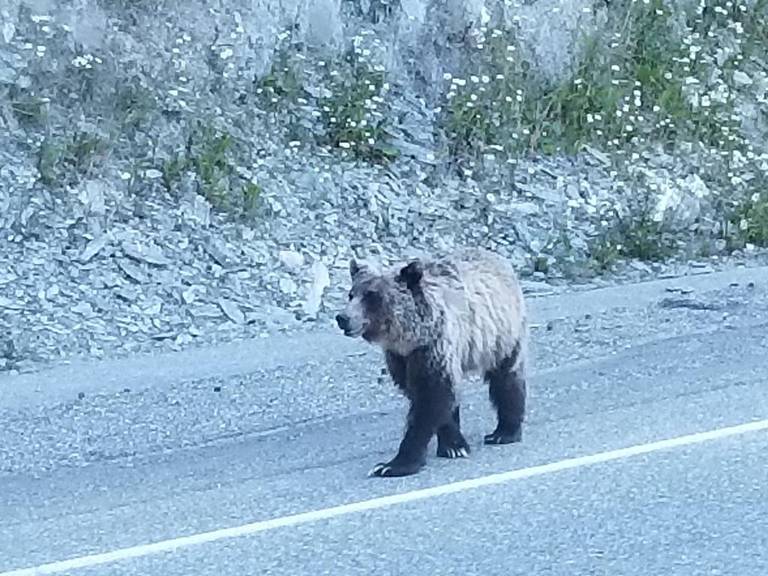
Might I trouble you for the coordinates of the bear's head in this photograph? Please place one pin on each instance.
(381, 307)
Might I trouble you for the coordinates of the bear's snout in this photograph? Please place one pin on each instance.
(343, 321)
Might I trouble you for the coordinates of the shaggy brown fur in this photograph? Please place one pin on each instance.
(438, 321)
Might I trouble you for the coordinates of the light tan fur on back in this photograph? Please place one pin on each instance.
(484, 315)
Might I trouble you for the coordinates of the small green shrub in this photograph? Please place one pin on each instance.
(62, 160)
(48, 158)
(635, 231)
(493, 108)
(353, 112)
(134, 105)
(751, 219)
(206, 155)
(282, 86)
(29, 110)
(603, 254)
(346, 97)
(212, 154)
(251, 196)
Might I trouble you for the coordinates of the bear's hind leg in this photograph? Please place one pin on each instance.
(431, 393)
(507, 390)
(450, 441)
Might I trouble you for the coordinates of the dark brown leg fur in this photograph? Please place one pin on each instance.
(507, 390)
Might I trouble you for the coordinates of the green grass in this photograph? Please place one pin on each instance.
(353, 113)
(628, 87)
(29, 110)
(68, 158)
(751, 219)
(348, 95)
(212, 154)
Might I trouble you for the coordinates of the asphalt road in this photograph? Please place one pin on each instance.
(700, 507)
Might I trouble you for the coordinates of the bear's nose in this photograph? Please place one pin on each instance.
(342, 321)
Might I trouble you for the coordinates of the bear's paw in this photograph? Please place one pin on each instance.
(394, 469)
(504, 437)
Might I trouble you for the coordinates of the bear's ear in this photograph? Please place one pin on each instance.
(355, 268)
(411, 274)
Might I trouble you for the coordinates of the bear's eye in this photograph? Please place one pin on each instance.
(372, 298)
(351, 296)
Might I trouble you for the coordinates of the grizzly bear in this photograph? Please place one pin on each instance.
(439, 320)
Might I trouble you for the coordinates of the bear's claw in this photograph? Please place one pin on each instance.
(501, 437)
(393, 470)
(453, 453)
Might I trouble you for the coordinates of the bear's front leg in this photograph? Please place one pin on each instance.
(431, 392)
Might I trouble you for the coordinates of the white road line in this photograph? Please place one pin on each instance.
(386, 501)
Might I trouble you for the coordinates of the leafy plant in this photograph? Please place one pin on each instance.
(751, 219)
(211, 154)
(353, 112)
(67, 159)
